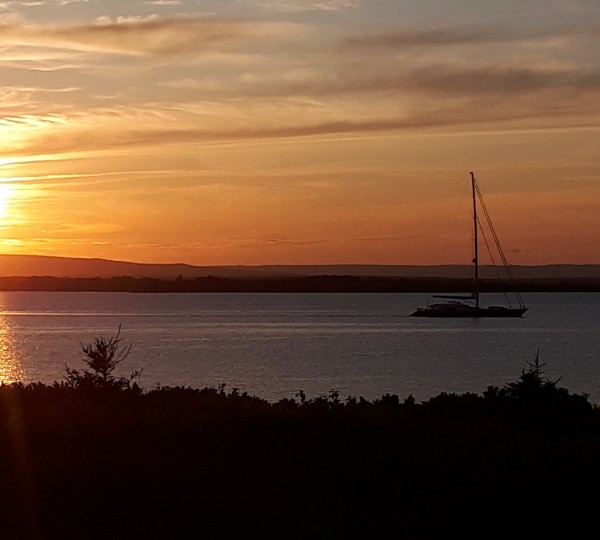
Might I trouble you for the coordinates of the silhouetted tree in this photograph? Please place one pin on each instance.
(539, 402)
(103, 356)
(531, 382)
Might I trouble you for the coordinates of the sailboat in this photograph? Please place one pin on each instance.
(469, 305)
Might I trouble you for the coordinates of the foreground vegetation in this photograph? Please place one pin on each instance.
(94, 456)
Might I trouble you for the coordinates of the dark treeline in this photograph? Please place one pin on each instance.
(316, 284)
(96, 457)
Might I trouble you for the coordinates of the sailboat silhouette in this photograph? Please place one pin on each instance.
(470, 305)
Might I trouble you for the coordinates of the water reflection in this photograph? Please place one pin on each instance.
(10, 364)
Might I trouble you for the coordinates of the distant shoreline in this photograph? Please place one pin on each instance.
(26, 266)
(295, 284)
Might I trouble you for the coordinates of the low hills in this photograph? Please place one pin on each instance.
(70, 267)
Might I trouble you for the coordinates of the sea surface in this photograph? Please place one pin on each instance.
(274, 345)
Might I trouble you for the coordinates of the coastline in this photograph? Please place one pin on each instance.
(300, 284)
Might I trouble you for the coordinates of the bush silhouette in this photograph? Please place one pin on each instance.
(521, 460)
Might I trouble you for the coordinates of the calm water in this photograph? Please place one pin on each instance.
(273, 345)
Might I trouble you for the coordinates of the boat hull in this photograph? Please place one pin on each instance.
(466, 312)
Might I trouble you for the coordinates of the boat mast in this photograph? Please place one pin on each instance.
(475, 241)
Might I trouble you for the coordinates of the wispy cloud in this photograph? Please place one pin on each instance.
(9, 4)
(402, 38)
(387, 239)
(501, 81)
(441, 80)
(91, 141)
(149, 35)
(298, 6)
(164, 3)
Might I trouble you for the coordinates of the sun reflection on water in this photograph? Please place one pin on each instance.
(10, 364)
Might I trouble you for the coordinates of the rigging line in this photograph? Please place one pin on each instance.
(491, 254)
(500, 250)
(491, 226)
(504, 261)
(498, 245)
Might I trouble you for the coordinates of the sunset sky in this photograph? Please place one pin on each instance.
(299, 131)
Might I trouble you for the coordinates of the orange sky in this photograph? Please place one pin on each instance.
(296, 131)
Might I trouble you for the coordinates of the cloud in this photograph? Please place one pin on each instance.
(499, 80)
(464, 35)
(150, 35)
(298, 6)
(387, 239)
(403, 38)
(276, 242)
(15, 97)
(439, 80)
(435, 97)
(11, 97)
(90, 141)
(164, 3)
(39, 59)
(36, 3)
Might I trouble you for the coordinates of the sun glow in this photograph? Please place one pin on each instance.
(6, 194)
